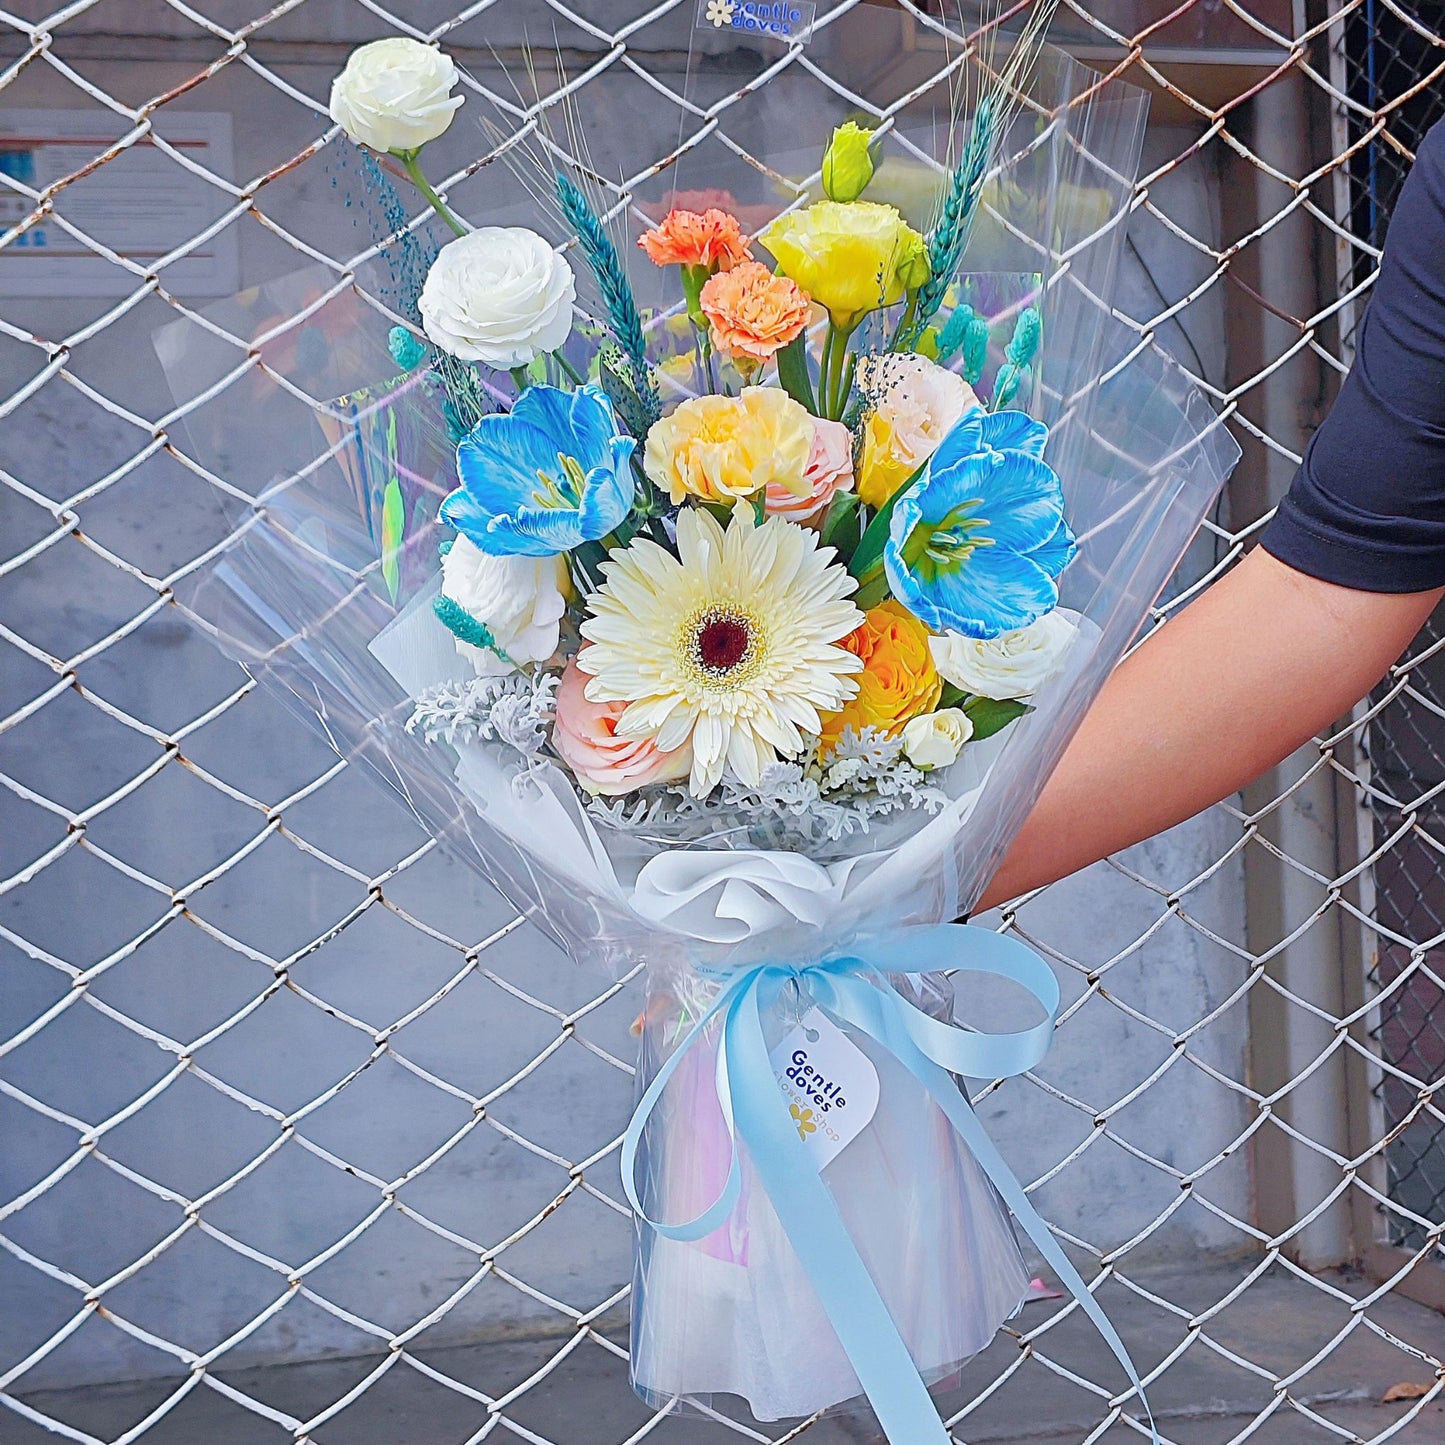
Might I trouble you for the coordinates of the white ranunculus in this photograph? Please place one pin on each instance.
(935, 739)
(519, 600)
(1011, 665)
(500, 295)
(394, 95)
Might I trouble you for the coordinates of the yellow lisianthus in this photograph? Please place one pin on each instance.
(722, 448)
(851, 258)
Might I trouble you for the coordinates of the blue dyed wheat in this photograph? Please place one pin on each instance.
(626, 323)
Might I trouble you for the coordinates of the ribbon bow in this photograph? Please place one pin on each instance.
(853, 989)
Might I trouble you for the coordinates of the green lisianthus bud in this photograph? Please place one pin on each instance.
(848, 162)
(913, 267)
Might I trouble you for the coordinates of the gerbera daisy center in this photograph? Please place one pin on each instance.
(721, 644)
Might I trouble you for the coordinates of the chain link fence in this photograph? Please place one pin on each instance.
(308, 1137)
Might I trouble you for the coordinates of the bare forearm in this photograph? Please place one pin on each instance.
(1260, 663)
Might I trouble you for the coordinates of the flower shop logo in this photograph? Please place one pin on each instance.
(778, 19)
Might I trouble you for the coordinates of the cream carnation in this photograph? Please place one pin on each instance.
(499, 296)
(720, 448)
(519, 600)
(935, 739)
(394, 95)
(1011, 665)
(732, 645)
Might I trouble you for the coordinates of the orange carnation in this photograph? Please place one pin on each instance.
(752, 312)
(898, 681)
(712, 239)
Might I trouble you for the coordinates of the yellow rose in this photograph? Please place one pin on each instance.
(721, 448)
(898, 681)
(851, 258)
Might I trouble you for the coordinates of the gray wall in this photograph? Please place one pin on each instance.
(205, 956)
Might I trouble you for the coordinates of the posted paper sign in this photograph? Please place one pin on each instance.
(830, 1084)
(141, 203)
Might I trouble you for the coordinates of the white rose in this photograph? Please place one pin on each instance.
(394, 95)
(519, 600)
(1011, 665)
(500, 295)
(935, 739)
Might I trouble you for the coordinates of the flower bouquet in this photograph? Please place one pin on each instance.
(724, 594)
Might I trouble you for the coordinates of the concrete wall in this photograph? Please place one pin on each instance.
(208, 961)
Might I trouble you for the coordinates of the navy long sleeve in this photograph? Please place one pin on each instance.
(1367, 507)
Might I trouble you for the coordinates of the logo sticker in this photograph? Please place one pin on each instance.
(787, 20)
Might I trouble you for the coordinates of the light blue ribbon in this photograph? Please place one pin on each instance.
(854, 990)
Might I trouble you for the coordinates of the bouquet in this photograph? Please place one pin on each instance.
(734, 634)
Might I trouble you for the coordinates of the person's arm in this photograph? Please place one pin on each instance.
(1259, 664)
(1346, 573)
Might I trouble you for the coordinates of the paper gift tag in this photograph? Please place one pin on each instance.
(829, 1082)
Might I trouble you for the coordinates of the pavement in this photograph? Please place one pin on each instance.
(1263, 1368)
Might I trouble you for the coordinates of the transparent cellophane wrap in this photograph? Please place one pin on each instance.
(336, 464)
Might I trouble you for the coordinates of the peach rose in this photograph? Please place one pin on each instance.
(585, 737)
(753, 314)
(712, 239)
(829, 471)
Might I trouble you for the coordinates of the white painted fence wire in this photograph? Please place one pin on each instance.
(307, 1137)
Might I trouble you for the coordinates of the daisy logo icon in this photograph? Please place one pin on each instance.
(803, 1118)
(720, 12)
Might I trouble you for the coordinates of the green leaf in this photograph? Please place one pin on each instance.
(990, 715)
(952, 696)
(870, 547)
(842, 525)
(793, 372)
(616, 378)
(393, 524)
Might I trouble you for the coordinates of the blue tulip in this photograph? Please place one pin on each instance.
(977, 544)
(552, 473)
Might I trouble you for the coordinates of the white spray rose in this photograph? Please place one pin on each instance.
(519, 600)
(394, 95)
(500, 296)
(1011, 665)
(935, 739)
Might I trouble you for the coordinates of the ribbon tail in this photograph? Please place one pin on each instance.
(717, 1212)
(809, 1216)
(880, 1015)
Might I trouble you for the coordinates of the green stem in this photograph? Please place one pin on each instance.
(707, 360)
(825, 370)
(412, 166)
(568, 368)
(846, 389)
(520, 379)
(836, 360)
(902, 338)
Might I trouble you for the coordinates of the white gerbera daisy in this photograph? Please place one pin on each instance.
(731, 644)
